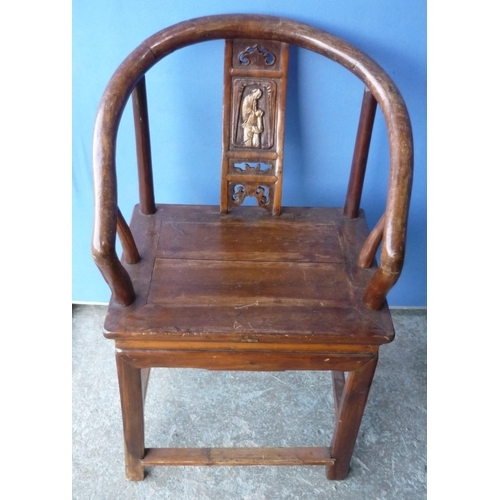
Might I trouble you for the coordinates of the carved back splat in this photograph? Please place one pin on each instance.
(255, 74)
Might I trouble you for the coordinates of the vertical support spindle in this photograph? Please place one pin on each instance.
(360, 156)
(143, 143)
(130, 251)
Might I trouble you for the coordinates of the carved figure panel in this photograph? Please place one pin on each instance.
(254, 109)
(252, 119)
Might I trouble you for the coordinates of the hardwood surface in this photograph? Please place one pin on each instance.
(249, 276)
(261, 67)
(238, 456)
(258, 290)
(238, 26)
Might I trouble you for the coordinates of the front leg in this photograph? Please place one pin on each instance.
(349, 412)
(131, 396)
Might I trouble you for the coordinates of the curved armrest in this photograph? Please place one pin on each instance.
(115, 275)
(398, 200)
(108, 118)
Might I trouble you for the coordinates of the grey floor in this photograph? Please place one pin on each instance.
(202, 408)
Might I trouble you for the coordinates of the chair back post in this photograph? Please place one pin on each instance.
(143, 145)
(231, 26)
(360, 156)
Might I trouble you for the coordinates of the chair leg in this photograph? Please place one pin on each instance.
(349, 412)
(131, 396)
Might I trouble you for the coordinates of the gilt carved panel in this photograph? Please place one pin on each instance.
(253, 113)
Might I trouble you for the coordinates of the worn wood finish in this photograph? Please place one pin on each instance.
(244, 290)
(367, 254)
(238, 456)
(236, 26)
(247, 360)
(131, 396)
(360, 157)
(247, 344)
(292, 279)
(130, 252)
(253, 123)
(143, 145)
(350, 413)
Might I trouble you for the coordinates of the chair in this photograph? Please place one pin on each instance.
(257, 288)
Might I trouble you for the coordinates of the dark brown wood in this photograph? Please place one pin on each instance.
(243, 345)
(238, 456)
(115, 274)
(266, 28)
(130, 252)
(360, 157)
(367, 254)
(129, 379)
(143, 145)
(259, 360)
(292, 278)
(352, 405)
(202, 288)
(226, 119)
(383, 280)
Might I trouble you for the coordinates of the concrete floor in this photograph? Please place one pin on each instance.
(202, 408)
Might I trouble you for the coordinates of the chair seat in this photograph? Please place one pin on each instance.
(248, 277)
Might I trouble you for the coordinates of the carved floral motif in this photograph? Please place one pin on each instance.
(269, 57)
(241, 191)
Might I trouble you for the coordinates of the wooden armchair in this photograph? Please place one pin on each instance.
(257, 288)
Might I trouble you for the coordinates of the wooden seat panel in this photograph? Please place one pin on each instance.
(257, 241)
(233, 285)
(243, 284)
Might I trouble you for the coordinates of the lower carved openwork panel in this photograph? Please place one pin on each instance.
(238, 191)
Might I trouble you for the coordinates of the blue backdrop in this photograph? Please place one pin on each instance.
(186, 89)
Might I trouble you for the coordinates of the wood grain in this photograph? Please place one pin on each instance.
(238, 26)
(200, 288)
(249, 275)
(238, 456)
